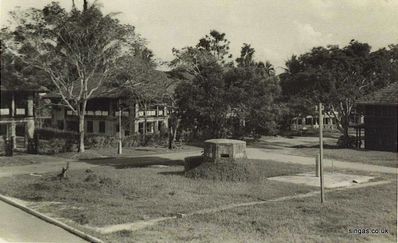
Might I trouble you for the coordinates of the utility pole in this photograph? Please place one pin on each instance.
(320, 108)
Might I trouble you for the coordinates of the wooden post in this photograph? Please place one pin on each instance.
(13, 123)
(321, 151)
(317, 168)
(119, 148)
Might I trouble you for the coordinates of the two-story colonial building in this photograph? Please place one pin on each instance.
(105, 108)
(17, 111)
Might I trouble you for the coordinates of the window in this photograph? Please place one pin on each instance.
(72, 126)
(5, 111)
(299, 121)
(90, 127)
(3, 129)
(140, 127)
(20, 111)
(102, 127)
(149, 127)
(60, 125)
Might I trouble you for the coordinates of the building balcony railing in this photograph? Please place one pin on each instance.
(124, 113)
(151, 113)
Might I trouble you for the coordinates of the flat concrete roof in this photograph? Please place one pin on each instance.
(225, 141)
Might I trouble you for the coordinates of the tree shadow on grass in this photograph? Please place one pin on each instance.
(178, 173)
(326, 146)
(133, 162)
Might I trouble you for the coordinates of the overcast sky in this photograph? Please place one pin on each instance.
(275, 28)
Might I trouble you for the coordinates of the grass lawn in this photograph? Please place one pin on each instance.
(109, 195)
(297, 220)
(93, 153)
(125, 190)
(26, 159)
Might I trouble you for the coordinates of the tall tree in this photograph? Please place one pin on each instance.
(251, 90)
(145, 85)
(337, 77)
(216, 43)
(201, 102)
(78, 50)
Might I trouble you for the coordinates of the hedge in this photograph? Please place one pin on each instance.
(65, 141)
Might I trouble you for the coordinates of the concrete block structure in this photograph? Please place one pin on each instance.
(224, 148)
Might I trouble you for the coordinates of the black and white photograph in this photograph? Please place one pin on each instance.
(198, 121)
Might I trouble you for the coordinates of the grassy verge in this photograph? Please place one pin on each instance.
(107, 195)
(299, 220)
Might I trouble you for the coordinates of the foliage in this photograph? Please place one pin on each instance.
(217, 45)
(337, 77)
(58, 141)
(77, 50)
(223, 101)
(201, 103)
(251, 92)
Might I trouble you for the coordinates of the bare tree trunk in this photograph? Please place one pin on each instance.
(85, 5)
(346, 137)
(81, 132)
(173, 126)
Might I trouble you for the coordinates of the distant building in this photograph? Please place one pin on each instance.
(380, 110)
(17, 111)
(102, 114)
(303, 123)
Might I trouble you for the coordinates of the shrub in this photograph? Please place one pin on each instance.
(57, 145)
(50, 133)
(346, 142)
(93, 140)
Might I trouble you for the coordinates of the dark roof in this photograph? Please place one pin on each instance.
(111, 92)
(101, 92)
(385, 96)
(26, 87)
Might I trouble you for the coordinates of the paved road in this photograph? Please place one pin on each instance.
(255, 153)
(18, 226)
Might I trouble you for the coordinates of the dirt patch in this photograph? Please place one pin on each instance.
(242, 170)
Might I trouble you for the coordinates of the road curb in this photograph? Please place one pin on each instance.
(50, 220)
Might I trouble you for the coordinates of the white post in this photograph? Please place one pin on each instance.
(321, 151)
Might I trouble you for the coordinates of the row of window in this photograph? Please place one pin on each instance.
(7, 111)
(73, 126)
(312, 121)
(124, 113)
